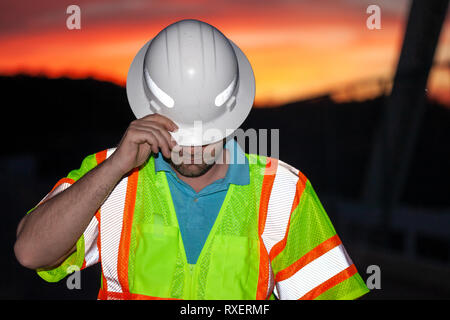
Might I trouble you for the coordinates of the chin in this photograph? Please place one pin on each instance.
(193, 170)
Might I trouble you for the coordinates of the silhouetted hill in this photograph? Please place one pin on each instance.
(53, 108)
(60, 121)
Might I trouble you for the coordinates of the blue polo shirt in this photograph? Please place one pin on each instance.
(197, 211)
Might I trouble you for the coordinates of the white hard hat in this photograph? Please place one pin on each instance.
(192, 74)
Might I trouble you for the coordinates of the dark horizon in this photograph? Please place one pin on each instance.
(332, 139)
(60, 121)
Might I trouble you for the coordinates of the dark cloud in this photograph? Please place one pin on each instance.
(40, 16)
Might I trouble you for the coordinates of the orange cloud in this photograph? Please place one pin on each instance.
(297, 50)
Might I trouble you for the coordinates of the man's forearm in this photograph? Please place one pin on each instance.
(49, 232)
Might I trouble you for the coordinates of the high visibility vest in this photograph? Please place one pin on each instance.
(142, 251)
(271, 235)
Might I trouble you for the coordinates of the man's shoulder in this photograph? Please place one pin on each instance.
(290, 174)
(277, 167)
(283, 179)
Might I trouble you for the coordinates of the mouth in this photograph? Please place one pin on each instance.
(192, 160)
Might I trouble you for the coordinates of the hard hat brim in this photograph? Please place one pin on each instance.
(211, 131)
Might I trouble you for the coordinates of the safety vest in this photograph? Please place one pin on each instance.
(142, 253)
(272, 235)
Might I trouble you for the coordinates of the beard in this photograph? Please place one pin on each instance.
(192, 170)
(198, 162)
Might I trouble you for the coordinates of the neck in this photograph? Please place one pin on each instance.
(217, 171)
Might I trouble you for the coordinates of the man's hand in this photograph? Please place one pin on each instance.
(145, 135)
(47, 236)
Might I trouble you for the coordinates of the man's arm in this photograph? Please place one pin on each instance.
(47, 235)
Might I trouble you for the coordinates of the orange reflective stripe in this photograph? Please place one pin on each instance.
(322, 248)
(333, 281)
(101, 156)
(107, 295)
(60, 182)
(269, 178)
(124, 246)
(277, 248)
(263, 278)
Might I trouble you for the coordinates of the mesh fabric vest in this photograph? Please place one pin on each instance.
(152, 259)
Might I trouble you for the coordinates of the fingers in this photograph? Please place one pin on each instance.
(159, 138)
(168, 124)
(154, 126)
(154, 133)
(139, 137)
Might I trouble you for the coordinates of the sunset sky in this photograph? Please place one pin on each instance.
(298, 49)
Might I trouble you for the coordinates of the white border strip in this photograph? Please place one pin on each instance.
(314, 274)
(280, 205)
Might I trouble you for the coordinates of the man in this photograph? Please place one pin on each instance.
(170, 213)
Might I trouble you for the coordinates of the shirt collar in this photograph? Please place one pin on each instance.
(238, 171)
